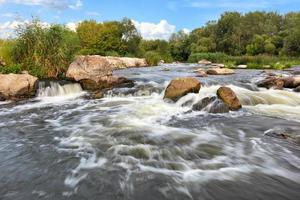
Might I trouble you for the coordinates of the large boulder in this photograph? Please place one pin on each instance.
(17, 86)
(96, 72)
(229, 98)
(180, 87)
(220, 71)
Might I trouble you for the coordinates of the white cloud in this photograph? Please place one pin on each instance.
(93, 13)
(77, 5)
(56, 4)
(72, 26)
(7, 29)
(186, 31)
(149, 31)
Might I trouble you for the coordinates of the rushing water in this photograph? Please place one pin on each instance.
(133, 145)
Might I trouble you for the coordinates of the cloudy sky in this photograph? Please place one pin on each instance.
(154, 18)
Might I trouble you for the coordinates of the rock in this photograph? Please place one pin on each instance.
(241, 67)
(96, 95)
(211, 105)
(179, 87)
(17, 86)
(271, 82)
(200, 72)
(297, 89)
(165, 69)
(220, 71)
(277, 134)
(95, 72)
(204, 62)
(291, 82)
(217, 65)
(229, 98)
(161, 62)
(106, 82)
(203, 103)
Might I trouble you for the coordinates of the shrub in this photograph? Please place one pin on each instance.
(152, 58)
(16, 68)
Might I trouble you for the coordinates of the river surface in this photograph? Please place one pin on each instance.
(132, 145)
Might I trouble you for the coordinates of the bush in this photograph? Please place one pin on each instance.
(152, 58)
(46, 52)
(15, 69)
(213, 57)
(6, 47)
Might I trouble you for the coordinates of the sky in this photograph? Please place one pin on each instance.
(155, 19)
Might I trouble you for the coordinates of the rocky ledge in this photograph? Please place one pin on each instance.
(17, 86)
(96, 72)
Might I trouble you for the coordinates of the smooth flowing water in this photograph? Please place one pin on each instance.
(133, 145)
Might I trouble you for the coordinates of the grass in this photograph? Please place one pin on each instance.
(253, 62)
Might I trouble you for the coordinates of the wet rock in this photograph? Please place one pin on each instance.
(106, 82)
(203, 103)
(17, 86)
(271, 82)
(200, 72)
(96, 95)
(95, 72)
(165, 70)
(280, 134)
(220, 71)
(229, 98)
(204, 62)
(180, 87)
(297, 89)
(211, 105)
(291, 82)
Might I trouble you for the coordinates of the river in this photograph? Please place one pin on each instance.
(133, 145)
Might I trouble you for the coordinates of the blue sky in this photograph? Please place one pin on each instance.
(153, 17)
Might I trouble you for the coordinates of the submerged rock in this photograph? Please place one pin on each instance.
(95, 72)
(220, 71)
(179, 87)
(17, 86)
(297, 89)
(229, 98)
(211, 105)
(200, 72)
(277, 134)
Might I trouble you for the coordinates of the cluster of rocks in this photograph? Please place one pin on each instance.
(224, 101)
(280, 82)
(92, 72)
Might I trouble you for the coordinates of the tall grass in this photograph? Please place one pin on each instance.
(44, 51)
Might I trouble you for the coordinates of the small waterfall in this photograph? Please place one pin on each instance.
(52, 89)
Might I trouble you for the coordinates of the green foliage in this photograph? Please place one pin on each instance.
(6, 47)
(108, 38)
(213, 57)
(45, 51)
(153, 58)
(15, 68)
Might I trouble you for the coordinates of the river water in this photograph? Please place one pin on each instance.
(133, 145)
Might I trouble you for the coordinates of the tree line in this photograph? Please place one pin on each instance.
(260, 37)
